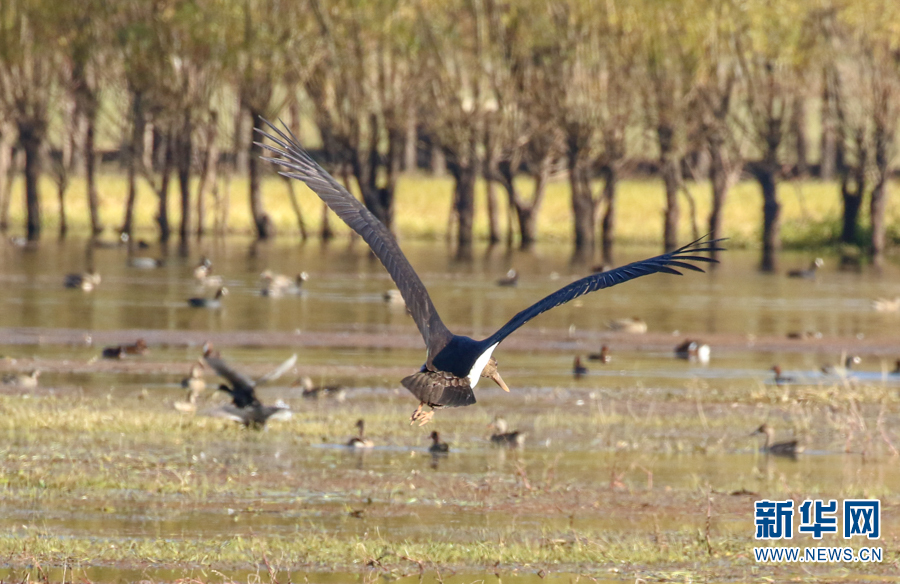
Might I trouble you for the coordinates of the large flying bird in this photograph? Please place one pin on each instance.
(453, 363)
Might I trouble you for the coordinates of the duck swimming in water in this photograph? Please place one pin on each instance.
(87, 281)
(780, 378)
(275, 285)
(137, 348)
(360, 440)
(810, 272)
(789, 449)
(504, 437)
(453, 363)
(603, 356)
(438, 447)
(27, 380)
(214, 302)
(693, 351)
(511, 279)
(578, 370)
(633, 325)
(842, 371)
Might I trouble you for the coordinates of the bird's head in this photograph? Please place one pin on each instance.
(763, 429)
(490, 372)
(435, 436)
(226, 389)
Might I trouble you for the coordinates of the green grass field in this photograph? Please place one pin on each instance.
(810, 210)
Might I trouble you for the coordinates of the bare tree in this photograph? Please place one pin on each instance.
(28, 65)
(86, 40)
(263, 35)
(671, 68)
(520, 65)
(716, 95)
(453, 105)
(364, 92)
(62, 166)
(770, 61)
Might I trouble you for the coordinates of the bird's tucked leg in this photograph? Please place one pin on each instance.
(420, 416)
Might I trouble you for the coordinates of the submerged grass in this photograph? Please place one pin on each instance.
(810, 209)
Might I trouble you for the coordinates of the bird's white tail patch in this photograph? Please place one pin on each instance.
(480, 363)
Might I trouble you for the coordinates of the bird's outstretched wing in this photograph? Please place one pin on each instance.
(278, 371)
(299, 165)
(665, 264)
(238, 380)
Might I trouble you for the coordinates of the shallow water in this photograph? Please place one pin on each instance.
(346, 284)
(654, 425)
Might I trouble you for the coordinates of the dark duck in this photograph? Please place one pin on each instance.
(453, 363)
(789, 449)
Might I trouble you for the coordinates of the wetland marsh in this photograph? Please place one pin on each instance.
(642, 469)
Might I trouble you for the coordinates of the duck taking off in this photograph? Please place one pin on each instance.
(246, 407)
(453, 363)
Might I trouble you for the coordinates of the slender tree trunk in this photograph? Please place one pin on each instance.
(829, 140)
(241, 157)
(438, 161)
(61, 187)
(7, 168)
(584, 208)
(209, 171)
(771, 237)
(671, 172)
(295, 205)
(608, 226)
(410, 150)
(528, 213)
(90, 172)
(493, 211)
(489, 171)
(184, 154)
(800, 137)
(162, 216)
(135, 158)
(464, 191)
(853, 189)
(264, 227)
(31, 137)
(852, 199)
(883, 139)
(721, 177)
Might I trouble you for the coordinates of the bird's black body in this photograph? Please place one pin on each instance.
(453, 364)
(459, 355)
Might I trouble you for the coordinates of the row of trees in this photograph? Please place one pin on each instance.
(485, 89)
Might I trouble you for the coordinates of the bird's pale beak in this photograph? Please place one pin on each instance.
(499, 381)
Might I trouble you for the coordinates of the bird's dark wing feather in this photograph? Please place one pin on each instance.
(301, 166)
(239, 381)
(665, 263)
